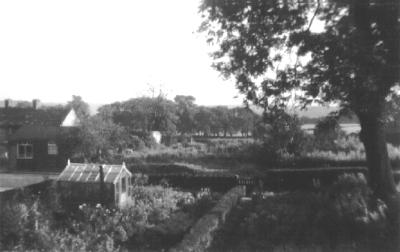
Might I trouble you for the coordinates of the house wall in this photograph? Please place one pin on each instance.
(3, 135)
(41, 160)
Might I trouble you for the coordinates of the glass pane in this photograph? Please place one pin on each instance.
(123, 184)
(52, 149)
(29, 151)
(111, 177)
(21, 151)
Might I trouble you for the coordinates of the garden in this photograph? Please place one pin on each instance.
(340, 217)
(155, 218)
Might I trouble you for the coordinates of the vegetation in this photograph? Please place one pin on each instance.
(155, 218)
(353, 60)
(343, 217)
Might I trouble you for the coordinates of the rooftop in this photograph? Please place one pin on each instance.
(87, 173)
(16, 116)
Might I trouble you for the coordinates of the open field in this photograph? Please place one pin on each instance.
(346, 127)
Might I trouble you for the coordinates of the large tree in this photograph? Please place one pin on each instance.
(352, 59)
(186, 109)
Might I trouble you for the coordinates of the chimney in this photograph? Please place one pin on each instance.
(6, 103)
(35, 103)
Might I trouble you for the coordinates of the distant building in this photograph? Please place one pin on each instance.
(156, 136)
(32, 138)
(81, 183)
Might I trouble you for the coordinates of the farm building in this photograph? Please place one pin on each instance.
(81, 183)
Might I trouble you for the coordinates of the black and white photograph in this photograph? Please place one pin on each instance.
(200, 125)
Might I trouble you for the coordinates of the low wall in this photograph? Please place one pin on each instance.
(201, 234)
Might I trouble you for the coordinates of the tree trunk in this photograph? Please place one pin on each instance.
(381, 178)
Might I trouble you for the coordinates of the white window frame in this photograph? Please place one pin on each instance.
(52, 148)
(24, 155)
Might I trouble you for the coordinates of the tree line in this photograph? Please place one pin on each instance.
(128, 124)
(179, 116)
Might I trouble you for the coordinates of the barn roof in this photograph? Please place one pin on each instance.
(87, 173)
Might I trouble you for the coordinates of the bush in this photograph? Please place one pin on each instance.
(136, 143)
(341, 216)
(282, 135)
(350, 199)
(326, 132)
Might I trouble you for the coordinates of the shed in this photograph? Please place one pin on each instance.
(81, 183)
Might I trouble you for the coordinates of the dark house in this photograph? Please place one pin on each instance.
(35, 138)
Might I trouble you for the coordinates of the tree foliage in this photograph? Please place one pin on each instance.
(82, 108)
(354, 60)
(181, 116)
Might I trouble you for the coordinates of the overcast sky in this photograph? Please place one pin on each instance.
(106, 51)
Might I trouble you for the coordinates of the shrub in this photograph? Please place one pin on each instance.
(282, 135)
(326, 132)
(350, 200)
(136, 143)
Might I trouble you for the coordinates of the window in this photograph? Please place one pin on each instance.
(123, 184)
(52, 148)
(25, 150)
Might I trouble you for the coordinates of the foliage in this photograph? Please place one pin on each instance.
(186, 109)
(353, 60)
(326, 132)
(341, 217)
(354, 42)
(143, 114)
(349, 199)
(97, 134)
(155, 216)
(181, 116)
(80, 107)
(281, 134)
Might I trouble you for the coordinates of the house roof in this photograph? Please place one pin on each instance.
(89, 173)
(14, 116)
(36, 132)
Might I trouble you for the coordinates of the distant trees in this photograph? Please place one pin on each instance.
(128, 124)
(143, 114)
(181, 116)
(81, 108)
(99, 135)
(186, 110)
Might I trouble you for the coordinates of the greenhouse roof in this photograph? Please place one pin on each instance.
(86, 173)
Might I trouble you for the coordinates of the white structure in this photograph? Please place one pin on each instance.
(71, 120)
(157, 136)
